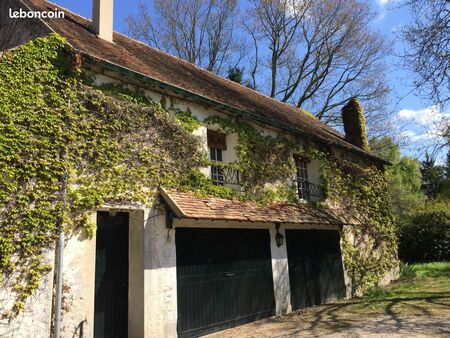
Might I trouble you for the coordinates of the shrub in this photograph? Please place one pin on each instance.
(407, 272)
(426, 235)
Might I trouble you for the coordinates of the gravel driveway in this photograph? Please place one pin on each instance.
(340, 320)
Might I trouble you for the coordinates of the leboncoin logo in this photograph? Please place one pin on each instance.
(21, 14)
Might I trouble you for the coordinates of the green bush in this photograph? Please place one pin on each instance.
(425, 237)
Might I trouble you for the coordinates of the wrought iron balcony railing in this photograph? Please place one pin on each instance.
(221, 175)
(306, 190)
(309, 191)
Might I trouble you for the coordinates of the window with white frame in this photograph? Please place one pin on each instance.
(216, 145)
(303, 188)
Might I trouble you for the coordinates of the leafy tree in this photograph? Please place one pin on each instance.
(444, 192)
(447, 165)
(432, 176)
(425, 237)
(404, 177)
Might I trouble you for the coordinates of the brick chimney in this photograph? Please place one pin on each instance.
(102, 19)
(355, 124)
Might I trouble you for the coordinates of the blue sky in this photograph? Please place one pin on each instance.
(413, 115)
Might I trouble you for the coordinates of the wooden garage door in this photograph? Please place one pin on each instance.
(315, 267)
(224, 278)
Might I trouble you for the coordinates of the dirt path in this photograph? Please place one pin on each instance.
(344, 320)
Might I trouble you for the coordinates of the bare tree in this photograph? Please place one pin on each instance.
(199, 31)
(428, 52)
(319, 54)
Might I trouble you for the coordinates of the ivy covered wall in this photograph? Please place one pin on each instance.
(68, 147)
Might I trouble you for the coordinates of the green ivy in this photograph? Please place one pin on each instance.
(67, 148)
(187, 120)
(355, 123)
(369, 248)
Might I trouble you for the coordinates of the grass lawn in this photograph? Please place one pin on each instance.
(426, 294)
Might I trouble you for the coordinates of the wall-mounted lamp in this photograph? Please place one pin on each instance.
(279, 239)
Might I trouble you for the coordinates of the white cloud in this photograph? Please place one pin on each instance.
(382, 2)
(415, 136)
(383, 5)
(424, 117)
(421, 128)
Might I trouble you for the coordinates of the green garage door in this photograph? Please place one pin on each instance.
(315, 267)
(224, 278)
(111, 276)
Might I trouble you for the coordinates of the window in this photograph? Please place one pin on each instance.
(216, 171)
(216, 144)
(302, 179)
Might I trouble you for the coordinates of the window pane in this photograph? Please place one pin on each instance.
(212, 154)
(219, 155)
(217, 174)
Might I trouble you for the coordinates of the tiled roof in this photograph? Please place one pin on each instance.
(187, 205)
(157, 65)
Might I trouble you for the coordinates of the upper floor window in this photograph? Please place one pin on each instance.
(307, 179)
(303, 185)
(216, 145)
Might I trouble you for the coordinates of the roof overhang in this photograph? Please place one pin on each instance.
(189, 206)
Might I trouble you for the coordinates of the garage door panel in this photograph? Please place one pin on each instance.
(315, 266)
(331, 279)
(302, 283)
(331, 274)
(224, 278)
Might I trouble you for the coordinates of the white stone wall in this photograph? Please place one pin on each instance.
(160, 277)
(280, 272)
(78, 285)
(136, 286)
(35, 320)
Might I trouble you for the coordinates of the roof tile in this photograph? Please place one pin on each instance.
(214, 208)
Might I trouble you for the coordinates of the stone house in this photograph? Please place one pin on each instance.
(192, 264)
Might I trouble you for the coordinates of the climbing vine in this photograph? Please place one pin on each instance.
(369, 248)
(355, 124)
(66, 149)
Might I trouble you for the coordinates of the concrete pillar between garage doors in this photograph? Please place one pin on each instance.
(160, 277)
(280, 270)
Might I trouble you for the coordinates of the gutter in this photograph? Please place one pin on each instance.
(154, 83)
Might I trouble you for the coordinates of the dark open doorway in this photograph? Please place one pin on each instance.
(111, 275)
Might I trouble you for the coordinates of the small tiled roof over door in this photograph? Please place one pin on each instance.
(188, 205)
